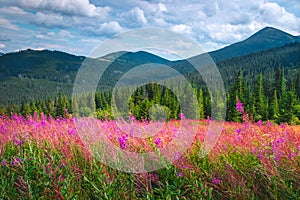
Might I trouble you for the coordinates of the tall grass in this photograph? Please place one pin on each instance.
(44, 158)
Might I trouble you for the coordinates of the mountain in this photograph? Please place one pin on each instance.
(1, 53)
(45, 64)
(135, 57)
(264, 39)
(31, 74)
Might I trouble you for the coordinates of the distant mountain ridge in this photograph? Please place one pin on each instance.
(264, 39)
(48, 72)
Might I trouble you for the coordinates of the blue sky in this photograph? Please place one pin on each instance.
(78, 26)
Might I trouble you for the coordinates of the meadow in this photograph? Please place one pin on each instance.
(44, 158)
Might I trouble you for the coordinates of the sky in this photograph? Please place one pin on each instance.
(78, 26)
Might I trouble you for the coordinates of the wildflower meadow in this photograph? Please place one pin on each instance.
(44, 158)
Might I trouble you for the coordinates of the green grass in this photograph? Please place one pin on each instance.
(47, 173)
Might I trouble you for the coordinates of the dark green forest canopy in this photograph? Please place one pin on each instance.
(267, 83)
(28, 75)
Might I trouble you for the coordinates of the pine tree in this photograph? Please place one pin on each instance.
(297, 85)
(236, 92)
(33, 108)
(27, 110)
(60, 106)
(259, 99)
(274, 107)
(283, 102)
(201, 104)
(50, 107)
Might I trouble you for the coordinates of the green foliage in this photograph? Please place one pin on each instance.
(267, 83)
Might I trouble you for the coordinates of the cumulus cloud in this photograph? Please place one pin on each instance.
(69, 7)
(136, 16)
(51, 20)
(45, 36)
(2, 46)
(272, 13)
(110, 27)
(182, 28)
(213, 23)
(12, 11)
(4, 23)
(162, 7)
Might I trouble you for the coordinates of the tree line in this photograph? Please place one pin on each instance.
(267, 99)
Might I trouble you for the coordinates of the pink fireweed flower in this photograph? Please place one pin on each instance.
(3, 162)
(282, 126)
(245, 125)
(208, 119)
(269, 123)
(260, 155)
(239, 106)
(72, 131)
(18, 142)
(216, 181)
(253, 150)
(224, 147)
(238, 130)
(259, 123)
(131, 117)
(179, 174)
(181, 116)
(157, 141)
(123, 141)
(177, 155)
(16, 161)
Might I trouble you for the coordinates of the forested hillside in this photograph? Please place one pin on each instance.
(265, 80)
(267, 83)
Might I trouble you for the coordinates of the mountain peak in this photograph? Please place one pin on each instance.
(263, 39)
(272, 33)
(269, 28)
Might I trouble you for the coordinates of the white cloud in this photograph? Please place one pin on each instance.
(2, 46)
(213, 23)
(38, 49)
(12, 10)
(46, 36)
(225, 33)
(110, 27)
(136, 16)
(182, 28)
(4, 23)
(69, 7)
(51, 20)
(274, 14)
(162, 7)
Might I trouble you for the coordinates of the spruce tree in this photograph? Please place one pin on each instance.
(259, 99)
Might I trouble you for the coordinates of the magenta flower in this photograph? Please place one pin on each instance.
(260, 155)
(16, 161)
(239, 106)
(282, 126)
(3, 162)
(18, 142)
(259, 123)
(131, 117)
(238, 130)
(181, 116)
(208, 119)
(216, 181)
(72, 131)
(179, 174)
(157, 141)
(177, 155)
(123, 141)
